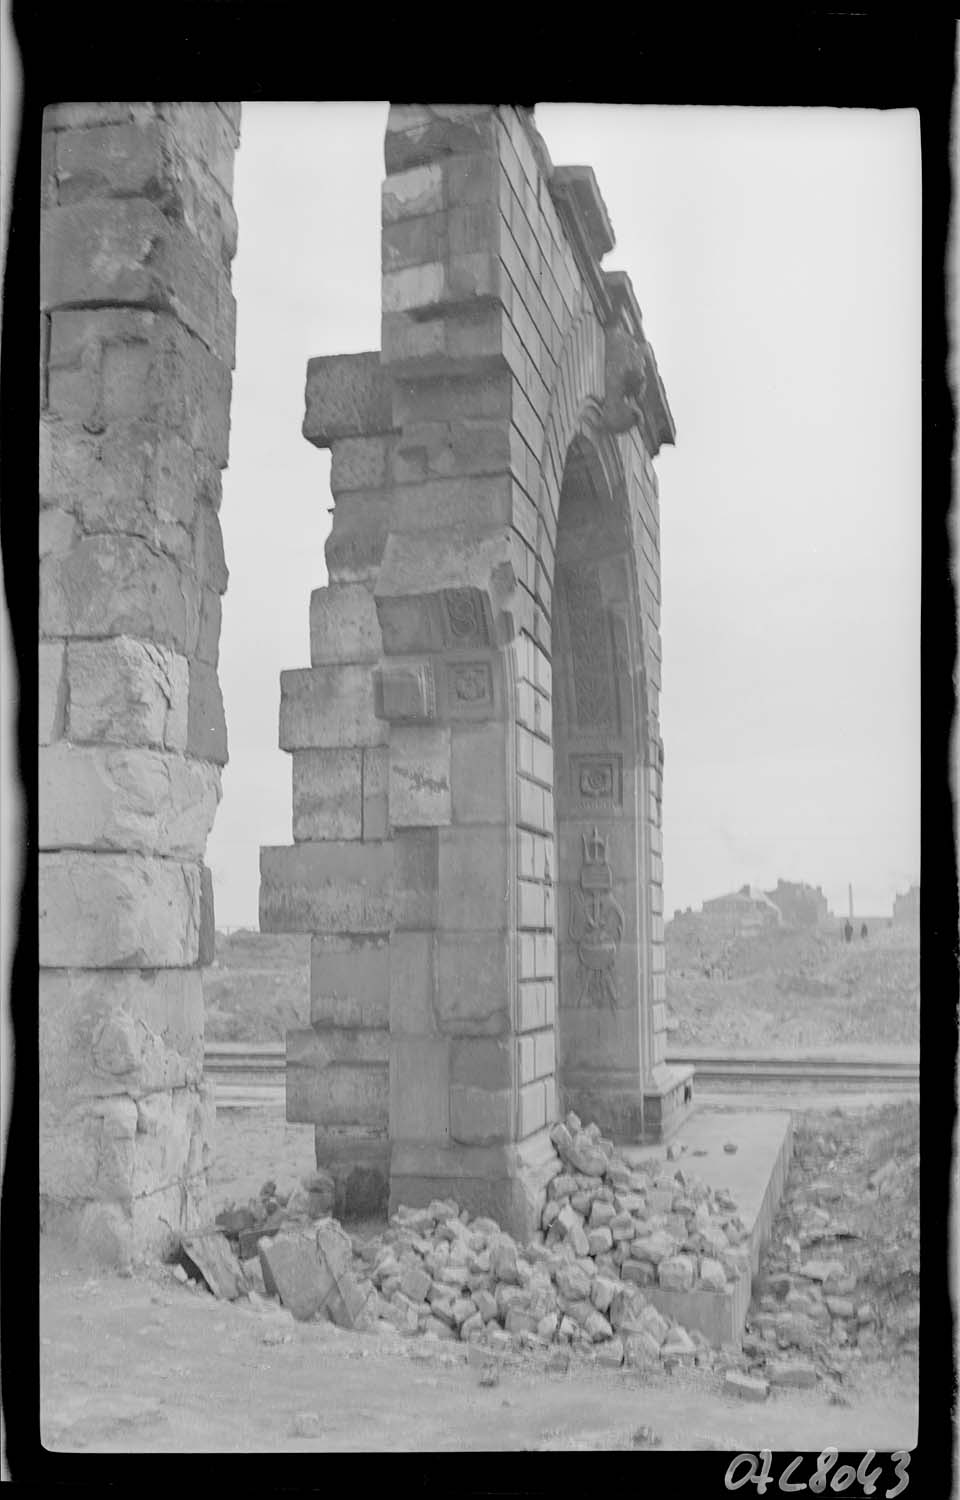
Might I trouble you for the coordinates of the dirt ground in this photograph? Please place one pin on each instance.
(144, 1363)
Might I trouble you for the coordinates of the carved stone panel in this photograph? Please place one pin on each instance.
(596, 925)
(596, 781)
(406, 692)
(466, 622)
(591, 649)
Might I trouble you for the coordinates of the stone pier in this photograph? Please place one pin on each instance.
(475, 746)
(137, 347)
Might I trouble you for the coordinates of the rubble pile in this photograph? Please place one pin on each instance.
(608, 1232)
(839, 1282)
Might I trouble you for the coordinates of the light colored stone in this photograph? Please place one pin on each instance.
(677, 1272)
(127, 692)
(791, 1372)
(746, 1387)
(419, 789)
(117, 911)
(51, 703)
(106, 798)
(712, 1274)
(329, 707)
(327, 794)
(343, 625)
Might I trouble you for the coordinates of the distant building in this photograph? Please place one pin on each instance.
(800, 904)
(748, 910)
(906, 909)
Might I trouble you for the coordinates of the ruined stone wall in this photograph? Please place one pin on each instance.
(137, 347)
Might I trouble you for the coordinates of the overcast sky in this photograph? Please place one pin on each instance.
(776, 257)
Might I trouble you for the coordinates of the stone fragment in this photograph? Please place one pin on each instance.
(746, 1387)
(486, 1305)
(677, 1272)
(599, 1240)
(841, 1307)
(305, 1424)
(640, 1272)
(547, 1326)
(712, 1274)
(730, 1147)
(578, 1240)
(573, 1282)
(611, 1352)
(791, 1372)
(415, 1283)
(292, 1272)
(211, 1256)
(596, 1327)
(602, 1292)
(822, 1270)
(678, 1344)
(602, 1213)
(562, 1186)
(653, 1247)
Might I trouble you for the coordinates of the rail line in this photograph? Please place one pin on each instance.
(257, 1070)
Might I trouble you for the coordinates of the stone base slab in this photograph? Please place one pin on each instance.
(755, 1175)
(506, 1182)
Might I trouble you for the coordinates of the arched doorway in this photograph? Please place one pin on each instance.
(599, 731)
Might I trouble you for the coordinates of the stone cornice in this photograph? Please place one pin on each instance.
(586, 223)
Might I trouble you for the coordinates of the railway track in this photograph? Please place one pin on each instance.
(257, 1070)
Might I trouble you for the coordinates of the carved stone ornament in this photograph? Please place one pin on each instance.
(596, 926)
(626, 381)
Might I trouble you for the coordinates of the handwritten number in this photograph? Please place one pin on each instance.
(901, 1462)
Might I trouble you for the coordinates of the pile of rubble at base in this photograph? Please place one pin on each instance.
(608, 1231)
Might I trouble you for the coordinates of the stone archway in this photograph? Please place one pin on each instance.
(514, 386)
(513, 392)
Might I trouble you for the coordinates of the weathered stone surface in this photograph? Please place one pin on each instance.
(110, 365)
(419, 788)
(349, 980)
(335, 886)
(136, 799)
(206, 724)
(790, 1372)
(120, 1149)
(347, 395)
(293, 1271)
(52, 684)
(746, 1387)
(327, 794)
(329, 707)
(119, 1031)
(212, 1256)
(117, 911)
(338, 1078)
(127, 692)
(343, 625)
(126, 251)
(117, 585)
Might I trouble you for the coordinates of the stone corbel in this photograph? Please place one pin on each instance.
(634, 394)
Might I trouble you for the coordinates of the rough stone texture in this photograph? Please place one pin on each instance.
(127, 692)
(500, 700)
(137, 235)
(135, 799)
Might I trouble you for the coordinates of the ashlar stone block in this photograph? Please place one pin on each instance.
(101, 797)
(101, 911)
(327, 794)
(335, 886)
(128, 692)
(343, 625)
(419, 776)
(328, 707)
